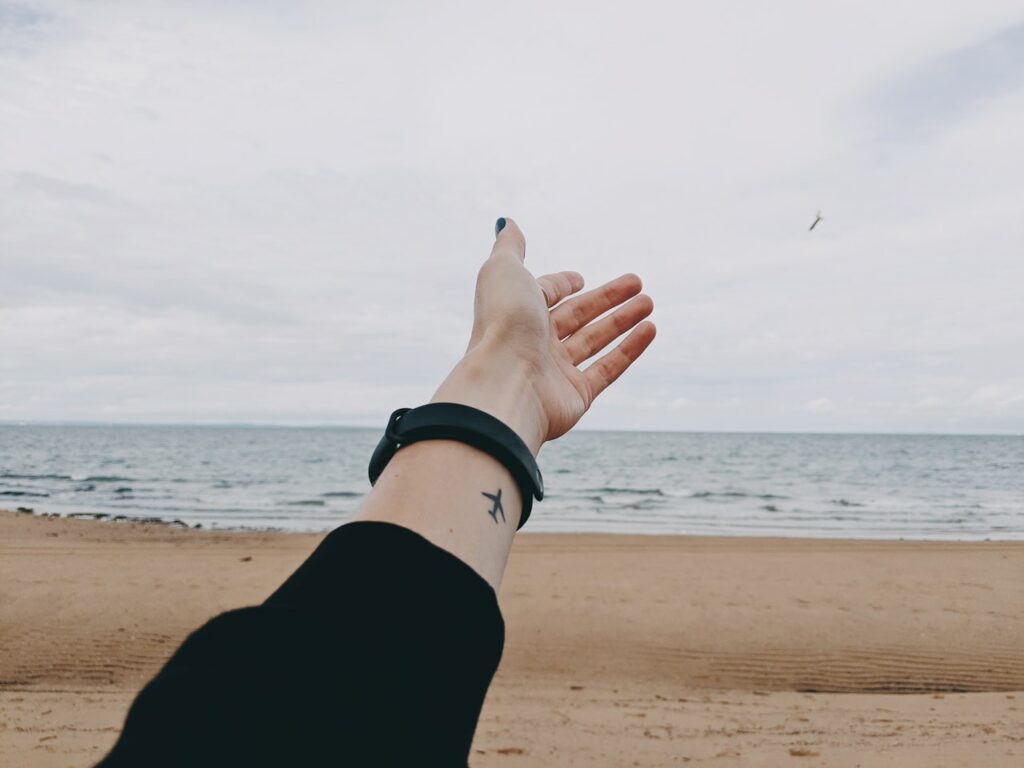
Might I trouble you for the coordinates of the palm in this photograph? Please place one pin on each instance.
(554, 336)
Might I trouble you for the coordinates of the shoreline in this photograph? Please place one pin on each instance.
(640, 647)
(117, 516)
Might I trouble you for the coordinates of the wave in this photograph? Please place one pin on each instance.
(33, 494)
(641, 491)
(737, 495)
(304, 503)
(341, 494)
(845, 503)
(611, 490)
(30, 476)
(640, 505)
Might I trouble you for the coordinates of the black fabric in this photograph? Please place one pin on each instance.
(378, 650)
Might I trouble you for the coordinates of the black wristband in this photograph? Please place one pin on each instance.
(454, 421)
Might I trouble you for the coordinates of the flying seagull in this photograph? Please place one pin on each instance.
(818, 218)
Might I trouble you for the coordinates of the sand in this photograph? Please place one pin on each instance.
(621, 650)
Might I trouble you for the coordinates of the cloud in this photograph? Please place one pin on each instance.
(820, 405)
(19, 17)
(950, 85)
(274, 212)
(997, 396)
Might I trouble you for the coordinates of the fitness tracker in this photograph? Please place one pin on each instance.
(454, 421)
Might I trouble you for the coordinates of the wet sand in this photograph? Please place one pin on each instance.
(621, 650)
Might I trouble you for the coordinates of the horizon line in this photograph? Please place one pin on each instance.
(331, 425)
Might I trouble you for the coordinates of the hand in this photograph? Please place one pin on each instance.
(526, 343)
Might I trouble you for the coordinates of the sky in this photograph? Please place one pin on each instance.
(273, 212)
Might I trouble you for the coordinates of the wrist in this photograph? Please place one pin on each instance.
(499, 385)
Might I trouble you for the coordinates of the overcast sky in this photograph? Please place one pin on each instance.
(274, 211)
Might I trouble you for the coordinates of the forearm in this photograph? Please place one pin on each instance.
(458, 497)
(436, 488)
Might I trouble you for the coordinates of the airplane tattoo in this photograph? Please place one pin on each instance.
(493, 511)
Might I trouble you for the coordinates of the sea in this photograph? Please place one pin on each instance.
(312, 479)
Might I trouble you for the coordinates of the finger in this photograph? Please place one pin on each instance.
(608, 368)
(559, 285)
(509, 241)
(591, 339)
(572, 315)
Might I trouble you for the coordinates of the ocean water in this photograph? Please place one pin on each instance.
(312, 479)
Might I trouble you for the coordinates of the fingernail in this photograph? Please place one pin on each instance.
(499, 225)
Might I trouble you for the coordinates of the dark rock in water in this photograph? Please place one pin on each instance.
(123, 489)
(93, 515)
(26, 510)
(845, 503)
(182, 523)
(85, 487)
(119, 517)
(198, 525)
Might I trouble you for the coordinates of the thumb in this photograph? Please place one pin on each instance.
(509, 240)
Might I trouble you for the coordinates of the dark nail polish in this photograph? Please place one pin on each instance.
(499, 225)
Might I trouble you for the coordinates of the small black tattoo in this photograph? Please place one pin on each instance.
(493, 511)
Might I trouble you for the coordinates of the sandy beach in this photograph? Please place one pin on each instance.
(621, 650)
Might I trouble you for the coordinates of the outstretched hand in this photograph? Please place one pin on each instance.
(529, 337)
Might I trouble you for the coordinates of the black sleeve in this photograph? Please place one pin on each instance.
(378, 650)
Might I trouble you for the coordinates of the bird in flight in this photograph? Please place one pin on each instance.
(818, 218)
(493, 512)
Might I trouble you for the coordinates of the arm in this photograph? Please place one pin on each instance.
(521, 366)
(379, 649)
